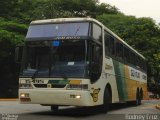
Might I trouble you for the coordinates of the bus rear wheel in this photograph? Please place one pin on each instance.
(138, 97)
(54, 108)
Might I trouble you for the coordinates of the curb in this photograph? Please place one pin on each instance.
(8, 99)
(158, 106)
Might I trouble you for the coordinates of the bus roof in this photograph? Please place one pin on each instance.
(63, 20)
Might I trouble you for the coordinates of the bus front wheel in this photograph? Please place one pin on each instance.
(106, 100)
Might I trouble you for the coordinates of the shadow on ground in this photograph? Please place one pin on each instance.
(82, 111)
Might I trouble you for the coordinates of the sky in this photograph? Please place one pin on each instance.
(138, 8)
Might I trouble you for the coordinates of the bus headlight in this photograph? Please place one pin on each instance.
(77, 87)
(24, 95)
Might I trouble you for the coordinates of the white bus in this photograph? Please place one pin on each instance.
(79, 62)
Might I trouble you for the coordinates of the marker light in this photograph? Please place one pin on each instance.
(75, 96)
(24, 95)
(78, 96)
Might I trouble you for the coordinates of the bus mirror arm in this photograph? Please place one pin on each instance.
(94, 68)
(94, 71)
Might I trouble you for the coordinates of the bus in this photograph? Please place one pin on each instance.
(79, 62)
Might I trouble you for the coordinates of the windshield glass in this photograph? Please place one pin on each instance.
(60, 58)
(51, 31)
(36, 59)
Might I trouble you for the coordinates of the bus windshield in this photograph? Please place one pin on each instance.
(52, 31)
(59, 58)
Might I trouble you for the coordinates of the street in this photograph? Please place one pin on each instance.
(14, 110)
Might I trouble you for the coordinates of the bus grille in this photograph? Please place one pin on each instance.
(52, 86)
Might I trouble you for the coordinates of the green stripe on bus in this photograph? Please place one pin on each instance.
(61, 82)
(121, 82)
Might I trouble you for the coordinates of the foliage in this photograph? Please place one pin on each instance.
(73, 8)
(11, 34)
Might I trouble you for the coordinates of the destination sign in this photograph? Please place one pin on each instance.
(67, 37)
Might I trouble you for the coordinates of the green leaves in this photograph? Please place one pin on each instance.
(76, 8)
(12, 31)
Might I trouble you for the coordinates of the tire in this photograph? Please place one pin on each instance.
(54, 108)
(138, 98)
(106, 100)
(141, 94)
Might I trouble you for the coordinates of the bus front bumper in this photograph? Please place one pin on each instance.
(56, 97)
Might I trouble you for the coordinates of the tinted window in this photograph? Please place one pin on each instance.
(119, 50)
(97, 32)
(132, 55)
(66, 58)
(138, 62)
(54, 30)
(109, 44)
(106, 38)
(126, 55)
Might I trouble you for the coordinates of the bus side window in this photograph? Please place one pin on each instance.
(119, 50)
(126, 55)
(111, 45)
(106, 38)
(132, 55)
(96, 61)
(142, 64)
(97, 32)
(138, 62)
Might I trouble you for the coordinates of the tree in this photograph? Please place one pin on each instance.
(76, 8)
(11, 34)
(7, 8)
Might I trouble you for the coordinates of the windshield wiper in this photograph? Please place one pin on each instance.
(35, 73)
(77, 30)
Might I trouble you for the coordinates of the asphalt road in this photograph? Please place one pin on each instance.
(12, 110)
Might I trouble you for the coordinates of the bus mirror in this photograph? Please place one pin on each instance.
(18, 54)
